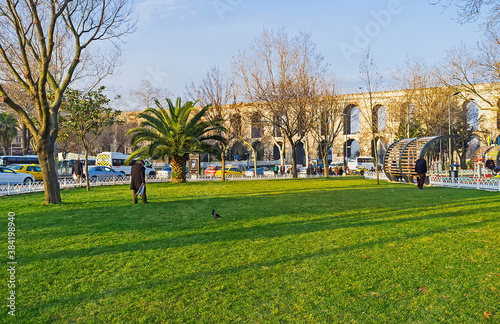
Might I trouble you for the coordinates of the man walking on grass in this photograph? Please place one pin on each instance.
(137, 179)
(77, 170)
(421, 170)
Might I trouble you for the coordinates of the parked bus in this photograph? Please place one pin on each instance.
(116, 161)
(18, 159)
(361, 162)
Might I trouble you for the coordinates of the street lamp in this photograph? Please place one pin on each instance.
(449, 128)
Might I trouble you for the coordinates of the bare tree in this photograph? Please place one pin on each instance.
(462, 70)
(470, 10)
(22, 98)
(465, 124)
(42, 44)
(418, 110)
(279, 76)
(218, 91)
(371, 79)
(327, 117)
(146, 94)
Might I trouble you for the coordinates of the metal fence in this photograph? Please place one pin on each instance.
(465, 180)
(38, 186)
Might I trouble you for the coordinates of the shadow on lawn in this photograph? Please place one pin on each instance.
(231, 231)
(84, 297)
(184, 212)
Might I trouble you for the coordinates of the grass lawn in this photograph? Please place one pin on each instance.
(342, 250)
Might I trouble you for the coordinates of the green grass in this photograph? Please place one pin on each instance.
(342, 250)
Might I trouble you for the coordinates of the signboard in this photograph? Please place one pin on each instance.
(194, 164)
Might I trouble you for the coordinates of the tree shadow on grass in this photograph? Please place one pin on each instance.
(218, 233)
(77, 299)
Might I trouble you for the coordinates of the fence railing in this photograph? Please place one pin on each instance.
(373, 175)
(12, 189)
(465, 180)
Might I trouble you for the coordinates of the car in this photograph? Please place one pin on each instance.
(8, 175)
(251, 172)
(32, 169)
(211, 170)
(104, 172)
(230, 171)
(166, 172)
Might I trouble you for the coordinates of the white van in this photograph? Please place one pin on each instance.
(116, 161)
(361, 162)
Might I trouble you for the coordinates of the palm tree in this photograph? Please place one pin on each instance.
(8, 130)
(173, 134)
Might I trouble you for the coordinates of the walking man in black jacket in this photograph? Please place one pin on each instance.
(137, 179)
(77, 169)
(421, 170)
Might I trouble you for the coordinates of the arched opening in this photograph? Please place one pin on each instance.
(381, 117)
(276, 152)
(381, 149)
(472, 115)
(235, 126)
(351, 119)
(351, 148)
(320, 148)
(238, 152)
(300, 154)
(259, 150)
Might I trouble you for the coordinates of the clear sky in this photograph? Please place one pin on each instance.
(177, 41)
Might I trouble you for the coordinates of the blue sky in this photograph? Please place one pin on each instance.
(177, 41)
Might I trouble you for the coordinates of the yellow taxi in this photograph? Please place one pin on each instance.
(230, 171)
(32, 169)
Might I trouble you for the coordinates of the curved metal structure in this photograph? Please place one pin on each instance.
(400, 157)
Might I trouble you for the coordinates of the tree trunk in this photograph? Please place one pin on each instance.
(25, 144)
(45, 150)
(179, 168)
(87, 180)
(282, 152)
(376, 156)
(294, 159)
(306, 148)
(223, 163)
(324, 156)
(223, 167)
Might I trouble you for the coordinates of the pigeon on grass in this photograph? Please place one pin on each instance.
(215, 215)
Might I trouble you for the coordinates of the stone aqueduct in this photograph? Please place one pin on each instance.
(357, 134)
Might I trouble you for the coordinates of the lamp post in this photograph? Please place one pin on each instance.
(449, 128)
(345, 143)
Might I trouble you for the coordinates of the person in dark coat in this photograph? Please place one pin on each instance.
(137, 179)
(77, 169)
(421, 170)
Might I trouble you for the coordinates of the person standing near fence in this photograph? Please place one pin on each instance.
(137, 179)
(421, 171)
(77, 169)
